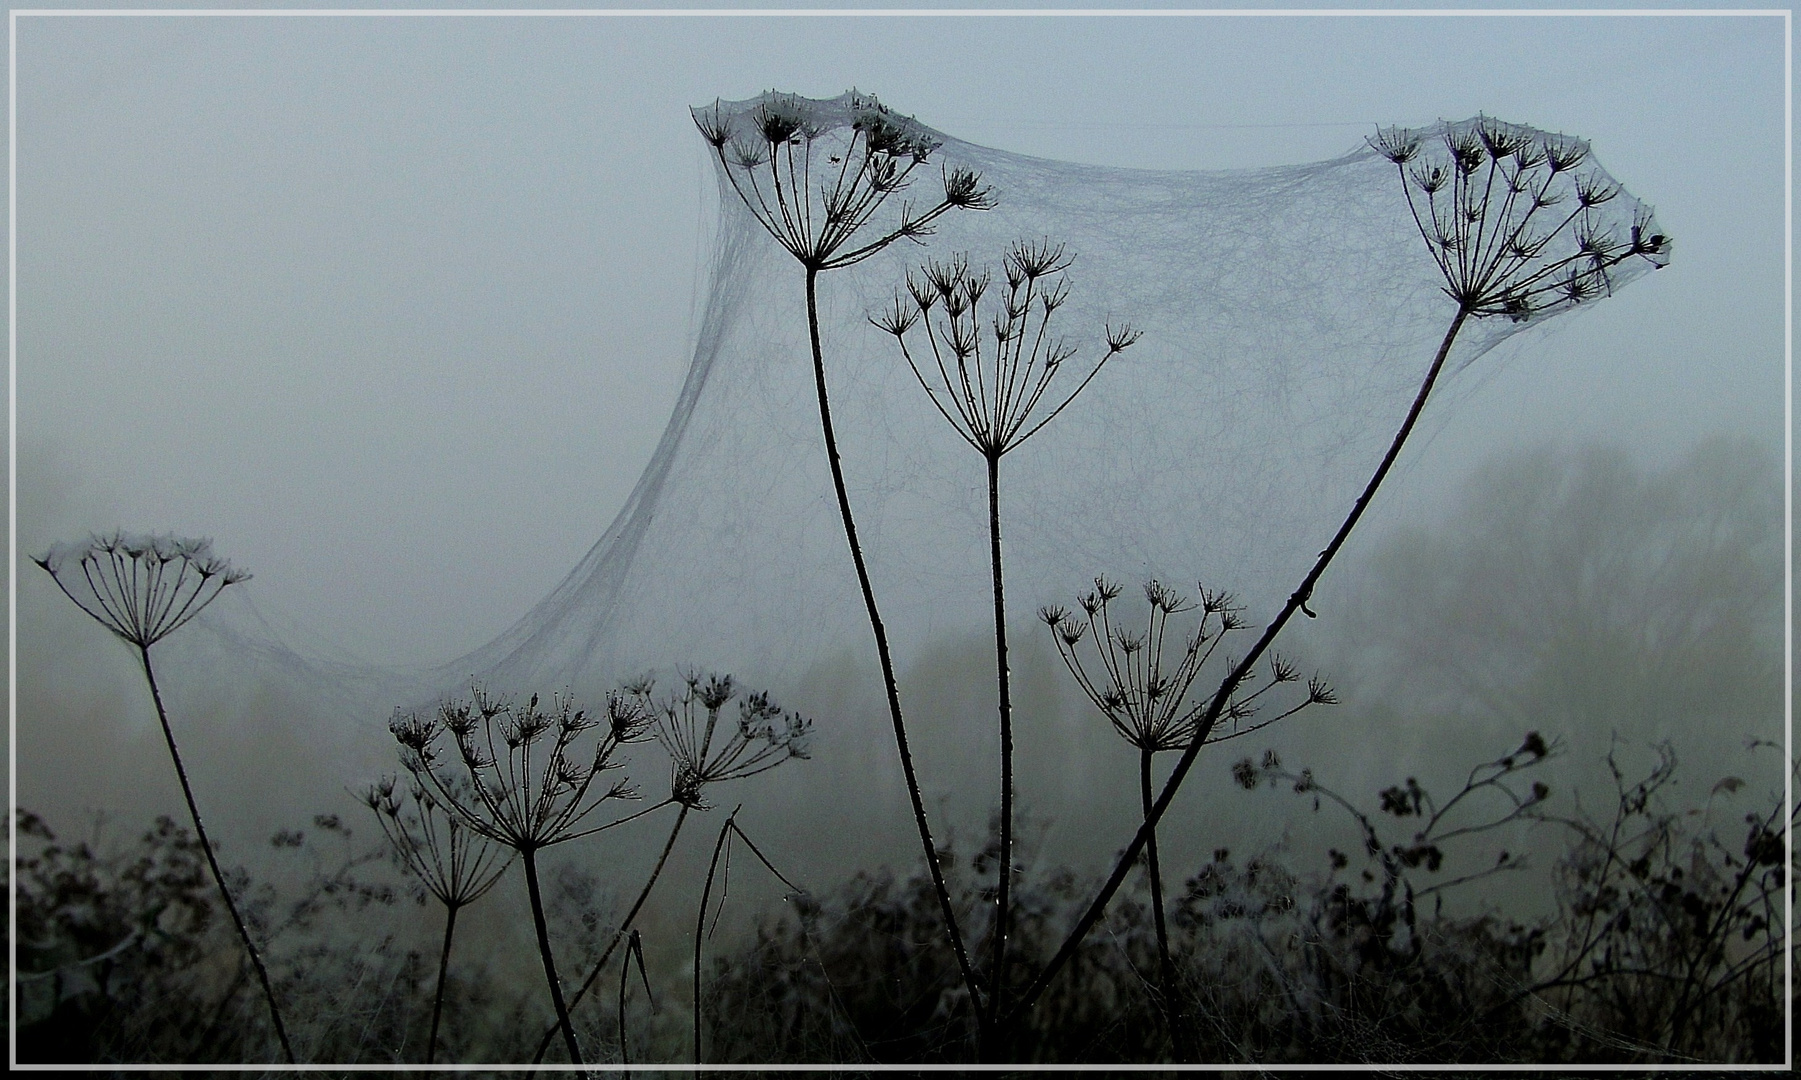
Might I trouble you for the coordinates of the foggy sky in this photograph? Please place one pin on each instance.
(395, 309)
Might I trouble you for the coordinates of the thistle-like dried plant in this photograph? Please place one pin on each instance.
(701, 754)
(989, 370)
(502, 795)
(141, 586)
(820, 177)
(1142, 681)
(455, 865)
(506, 798)
(1517, 223)
(1520, 224)
(144, 587)
(816, 173)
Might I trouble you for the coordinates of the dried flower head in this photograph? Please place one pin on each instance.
(816, 173)
(503, 794)
(1515, 224)
(1143, 684)
(701, 753)
(454, 864)
(141, 586)
(990, 370)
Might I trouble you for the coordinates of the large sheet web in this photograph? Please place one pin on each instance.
(1288, 315)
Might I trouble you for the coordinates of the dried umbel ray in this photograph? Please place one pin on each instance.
(817, 174)
(821, 178)
(702, 753)
(990, 368)
(1142, 681)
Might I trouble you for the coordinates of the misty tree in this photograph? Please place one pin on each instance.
(1579, 589)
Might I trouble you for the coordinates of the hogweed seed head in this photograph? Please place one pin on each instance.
(452, 863)
(714, 124)
(1562, 153)
(1520, 222)
(1281, 669)
(702, 752)
(628, 719)
(994, 387)
(1123, 338)
(141, 586)
(1143, 682)
(899, 318)
(1396, 144)
(517, 788)
(963, 189)
(1499, 139)
(816, 174)
(1167, 599)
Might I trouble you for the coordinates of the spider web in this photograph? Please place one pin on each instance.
(1288, 316)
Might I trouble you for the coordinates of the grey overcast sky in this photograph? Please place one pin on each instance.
(395, 308)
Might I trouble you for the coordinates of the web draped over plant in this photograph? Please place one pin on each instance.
(1283, 319)
(1287, 316)
(1280, 321)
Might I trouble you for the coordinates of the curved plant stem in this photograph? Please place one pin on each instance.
(550, 966)
(881, 639)
(212, 860)
(619, 935)
(437, 1004)
(700, 924)
(1296, 602)
(997, 968)
(726, 831)
(634, 947)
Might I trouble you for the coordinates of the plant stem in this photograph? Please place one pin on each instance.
(881, 640)
(550, 967)
(1295, 602)
(997, 970)
(212, 860)
(728, 829)
(1165, 966)
(700, 924)
(437, 1005)
(619, 934)
(625, 970)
